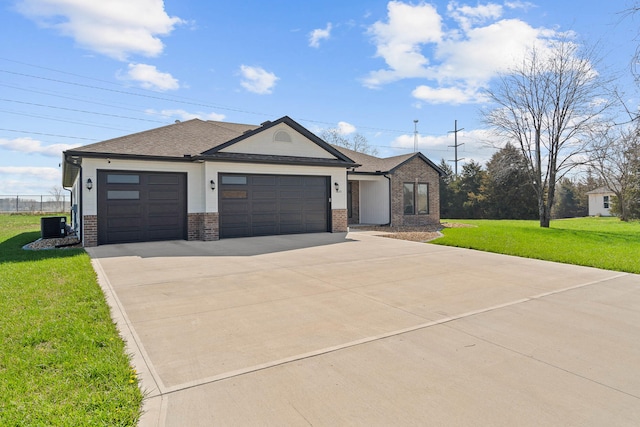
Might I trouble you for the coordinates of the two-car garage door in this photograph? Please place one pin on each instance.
(259, 205)
(137, 206)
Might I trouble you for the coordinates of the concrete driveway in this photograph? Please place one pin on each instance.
(335, 329)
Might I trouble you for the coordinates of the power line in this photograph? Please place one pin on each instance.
(47, 134)
(81, 111)
(87, 101)
(181, 100)
(63, 120)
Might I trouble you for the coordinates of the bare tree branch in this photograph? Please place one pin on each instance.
(545, 106)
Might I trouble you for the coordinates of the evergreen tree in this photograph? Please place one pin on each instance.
(446, 190)
(568, 200)
(471, 190)
(509, 194)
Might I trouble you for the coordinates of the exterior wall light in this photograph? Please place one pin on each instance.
(337, 187)
(212, 183)
(89, 184)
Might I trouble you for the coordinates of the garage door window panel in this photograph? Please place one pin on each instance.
(123, 195)
(123, 179)
(234, 180)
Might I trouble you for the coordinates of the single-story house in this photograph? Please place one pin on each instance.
(206, 180)
(600, 201)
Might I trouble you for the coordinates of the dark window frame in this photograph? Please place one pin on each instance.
(415, 198)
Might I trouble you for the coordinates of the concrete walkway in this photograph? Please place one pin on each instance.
(335, 329)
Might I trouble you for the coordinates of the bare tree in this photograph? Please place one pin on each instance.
(358, 143)
(615, 159)
(630, 12)
(56, 193)
(545, 106)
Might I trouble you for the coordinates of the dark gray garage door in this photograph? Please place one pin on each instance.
(260, 205)
(141, 206)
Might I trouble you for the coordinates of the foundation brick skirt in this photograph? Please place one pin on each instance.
(90, 231)
(339, 221)
(203, 226)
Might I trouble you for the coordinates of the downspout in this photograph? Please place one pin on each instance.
(387, 176)
(79, 211)
(70, 205)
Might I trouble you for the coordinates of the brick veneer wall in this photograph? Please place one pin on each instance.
(211, 227)
(355, 202)
(195, 226)
(90, 231)
(203, 226)
(339, 222)
(416, 171)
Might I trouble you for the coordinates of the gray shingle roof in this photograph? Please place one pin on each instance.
(197, 137)
(372, 164)
(190, 137)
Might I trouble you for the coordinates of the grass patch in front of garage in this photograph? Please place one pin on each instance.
(62, 361)
(606, 243)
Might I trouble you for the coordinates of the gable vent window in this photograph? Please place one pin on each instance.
(282, 136)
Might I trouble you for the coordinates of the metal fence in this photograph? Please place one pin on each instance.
(29, 203)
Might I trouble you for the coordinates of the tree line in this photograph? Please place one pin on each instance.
(502, 189)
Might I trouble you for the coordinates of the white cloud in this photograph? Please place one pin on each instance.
(456, 64)
(524, 5)
(319, 34)
(399, 41)
(467, 16)
(28, 180)
(446, 95)
(345, 128)
(150, 78)
(257, 79)
(185, 115)
(115, 28)
(33, 146)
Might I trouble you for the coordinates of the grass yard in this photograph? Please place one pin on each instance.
(62, 361)
(606, 243)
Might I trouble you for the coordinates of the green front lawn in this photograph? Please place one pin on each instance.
(606, 243)
(62, 361)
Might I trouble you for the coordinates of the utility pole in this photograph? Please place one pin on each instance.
(415, 135)
(456, 145)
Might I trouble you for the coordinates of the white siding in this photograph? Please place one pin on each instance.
(339, 175)
(374, 200)
(200, 197)
(596, 204)
(195, 186)
(264, 143)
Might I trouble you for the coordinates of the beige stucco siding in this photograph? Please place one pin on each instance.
(266, 143)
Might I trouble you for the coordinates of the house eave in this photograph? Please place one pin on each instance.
(282, 160)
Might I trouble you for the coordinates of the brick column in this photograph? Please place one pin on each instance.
(211, 227)
(195, 224)
(89, 231)
(339, 221)
(203, 226)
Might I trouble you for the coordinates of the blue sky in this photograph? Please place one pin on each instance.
(73, 72)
